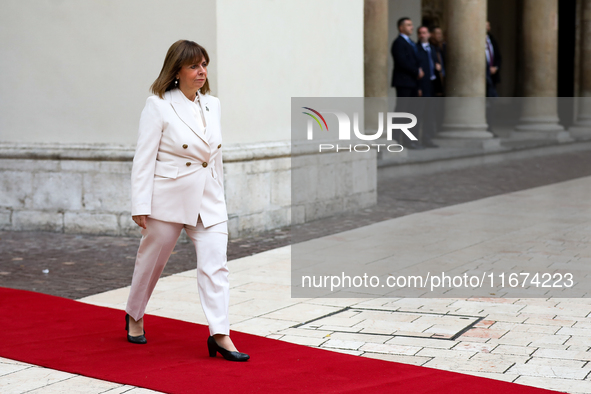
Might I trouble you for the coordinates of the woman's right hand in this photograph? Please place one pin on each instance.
(140, 220)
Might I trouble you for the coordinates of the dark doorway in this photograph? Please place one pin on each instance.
(567, 18)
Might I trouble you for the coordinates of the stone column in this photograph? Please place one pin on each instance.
(375, 59)
(375, 47)
(582, 127)
(465, 105)
(539, 116)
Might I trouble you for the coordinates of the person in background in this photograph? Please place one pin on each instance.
(406, 75)
(438, 43)
(427, 85)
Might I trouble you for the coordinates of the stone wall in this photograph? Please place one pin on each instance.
(327, 184)
(65, 189)
(85, 189)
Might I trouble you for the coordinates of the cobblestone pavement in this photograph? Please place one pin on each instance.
(76, 266)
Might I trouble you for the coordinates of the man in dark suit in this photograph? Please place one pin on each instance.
(407, 72)
(428, 62)
(427, 86)
(438, 44)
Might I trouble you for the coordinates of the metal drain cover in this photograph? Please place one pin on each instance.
(393, 323)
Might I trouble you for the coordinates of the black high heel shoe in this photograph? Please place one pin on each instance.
(140, 339)
(213, 347)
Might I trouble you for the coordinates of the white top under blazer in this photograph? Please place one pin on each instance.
(177, 173)
(196, 111)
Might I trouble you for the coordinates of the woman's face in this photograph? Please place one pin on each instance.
(192, 76)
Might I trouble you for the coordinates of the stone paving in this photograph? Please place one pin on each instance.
(81, 265)
(543, 342)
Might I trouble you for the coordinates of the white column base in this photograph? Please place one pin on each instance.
(542, 127)
(485, 144)
(466, 133)
(540, 133)
(580, 131)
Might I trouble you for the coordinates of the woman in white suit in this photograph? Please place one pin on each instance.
(177, 182)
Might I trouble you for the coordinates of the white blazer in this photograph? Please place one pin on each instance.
(177, 171)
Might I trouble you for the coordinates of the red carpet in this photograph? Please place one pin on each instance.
(71, 336)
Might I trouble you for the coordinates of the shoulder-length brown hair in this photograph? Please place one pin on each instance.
(181, 53)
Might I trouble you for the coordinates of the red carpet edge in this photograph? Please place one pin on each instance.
(89, 340)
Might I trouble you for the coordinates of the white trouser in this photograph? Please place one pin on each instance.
(157, 243)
